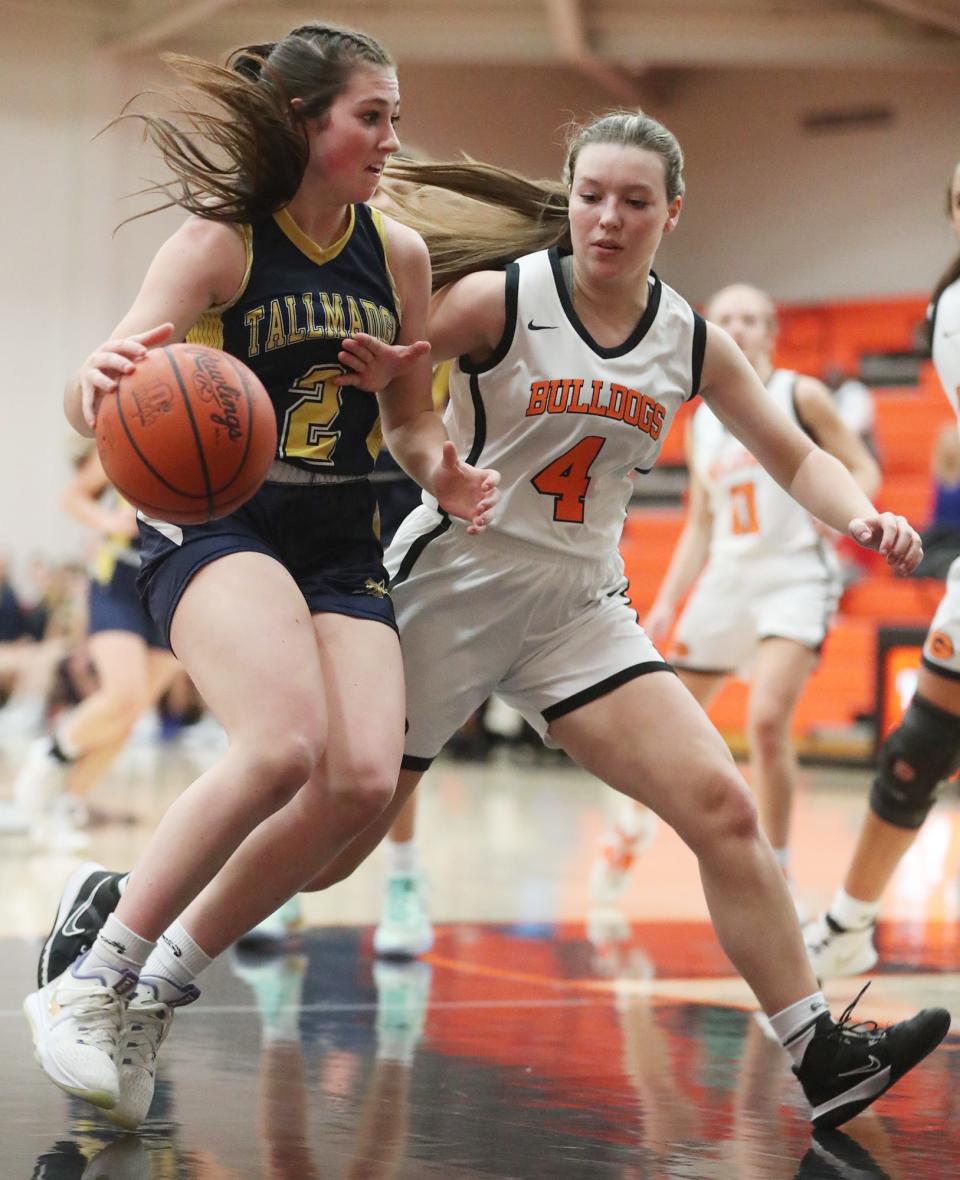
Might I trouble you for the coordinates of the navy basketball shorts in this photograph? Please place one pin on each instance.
(116, 606)
(324, 535)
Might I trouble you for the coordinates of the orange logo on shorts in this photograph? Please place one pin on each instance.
(679, 651)
(941, 645)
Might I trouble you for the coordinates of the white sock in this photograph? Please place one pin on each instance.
(851, 913)
(795, 1025)
(402, 856)
(176, 958)
(117, 947)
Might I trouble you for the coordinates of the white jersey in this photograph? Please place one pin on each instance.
(566, 421)
(752, 515)
(946, 344)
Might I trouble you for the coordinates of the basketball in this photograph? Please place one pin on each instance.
(189, 436)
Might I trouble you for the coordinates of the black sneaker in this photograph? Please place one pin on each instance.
(848, 1066)
(89, 897)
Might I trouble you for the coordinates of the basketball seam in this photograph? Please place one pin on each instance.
(149, 466)
(196, 433)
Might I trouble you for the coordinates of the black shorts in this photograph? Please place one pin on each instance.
(115, 606)
(323, 535)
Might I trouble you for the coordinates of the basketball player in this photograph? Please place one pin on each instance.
(133, 666)
(924, 750)
(572, 363)
(768, 581)
(279, 612)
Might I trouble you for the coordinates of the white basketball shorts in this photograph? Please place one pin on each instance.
(487, 613)
(736, 605)
(941, 650)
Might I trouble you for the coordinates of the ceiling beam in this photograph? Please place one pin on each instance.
(941, 14)
(569, 32)
(152, 29)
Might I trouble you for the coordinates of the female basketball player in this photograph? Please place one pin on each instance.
(924, 749)
(133, 667)
(572, 363)
(279, 612)
(768, 582)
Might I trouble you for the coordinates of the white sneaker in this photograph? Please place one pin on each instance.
(277, 929)
(76, 1022)
(611, 870)
(404, 931)
(42, 777)
(145, 1026)
(832, 950)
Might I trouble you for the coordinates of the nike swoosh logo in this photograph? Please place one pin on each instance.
(871, 1067)
(540, 327)
(70, 927)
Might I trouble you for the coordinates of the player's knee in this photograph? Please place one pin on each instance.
(367, 787)
(916, 758)
(729, 810)
(769, 731)
(283, 764)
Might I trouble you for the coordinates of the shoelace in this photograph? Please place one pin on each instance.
(861, 1030)
(144, 1034)
(98, 1008)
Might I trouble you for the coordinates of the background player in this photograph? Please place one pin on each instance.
(279, 612)
(133, 666)
(924, 749)
(767, 582)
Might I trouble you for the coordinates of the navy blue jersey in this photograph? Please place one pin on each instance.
(297, 304)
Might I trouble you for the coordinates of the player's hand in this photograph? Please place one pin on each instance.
(892, 537)
(466, 492)
(657, 624)
(100, 373)
(372, 364)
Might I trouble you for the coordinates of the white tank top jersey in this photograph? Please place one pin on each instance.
(752, 515)
(946, 344)
(566, 421)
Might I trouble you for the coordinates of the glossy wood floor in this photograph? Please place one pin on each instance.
(535, 1041)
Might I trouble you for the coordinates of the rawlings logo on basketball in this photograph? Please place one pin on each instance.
(151, 401)
(941, 645)
(213, 385)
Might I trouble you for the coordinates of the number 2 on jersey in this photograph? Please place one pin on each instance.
(306, 432)
(568, 477)
(743, 508)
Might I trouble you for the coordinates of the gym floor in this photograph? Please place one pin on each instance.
(537, 1040)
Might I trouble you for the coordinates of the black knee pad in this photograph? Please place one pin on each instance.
(926, 743)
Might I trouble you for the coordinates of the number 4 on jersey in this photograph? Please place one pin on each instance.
(567, 479)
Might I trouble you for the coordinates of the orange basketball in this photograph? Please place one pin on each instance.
(189, 436)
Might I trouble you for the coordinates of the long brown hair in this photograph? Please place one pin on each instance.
(952, 273)
(475, 216)
(247, 157)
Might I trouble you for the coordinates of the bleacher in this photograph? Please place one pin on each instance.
(835, 716)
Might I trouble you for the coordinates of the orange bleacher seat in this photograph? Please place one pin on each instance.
(892, 600)
(906, 426)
